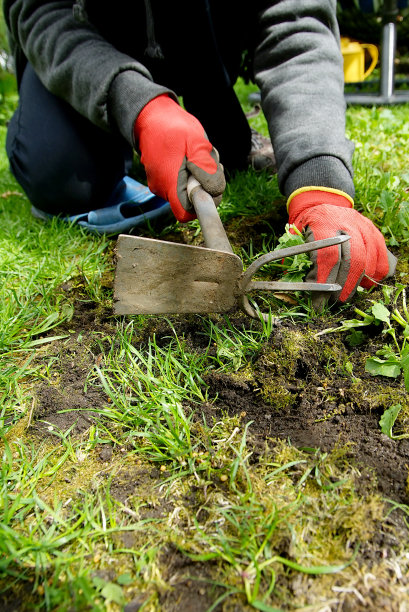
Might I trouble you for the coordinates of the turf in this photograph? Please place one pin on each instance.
(201, 462)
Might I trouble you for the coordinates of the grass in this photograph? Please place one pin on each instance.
(258, 528)
(382, 177)
(147, 390)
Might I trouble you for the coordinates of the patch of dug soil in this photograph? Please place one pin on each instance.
(65, 403)
(190, 584)
(61, 410)
(87, 315)
(295, 394)
(142, 481)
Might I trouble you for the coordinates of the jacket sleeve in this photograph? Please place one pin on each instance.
(77, 64)
(298, 67)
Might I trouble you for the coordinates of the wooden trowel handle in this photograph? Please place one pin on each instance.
(212, 228)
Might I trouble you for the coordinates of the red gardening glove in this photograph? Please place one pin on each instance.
(364, 260)
(173, 145)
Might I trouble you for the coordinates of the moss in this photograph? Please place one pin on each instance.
(245, 374)
(284, 366)
(376, 398)
(402, 268)
(277, 366)
(277, 396)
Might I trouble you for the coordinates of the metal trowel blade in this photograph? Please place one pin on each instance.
(159, 277)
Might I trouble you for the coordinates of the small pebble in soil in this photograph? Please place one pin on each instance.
(134, 605)
(106, 453)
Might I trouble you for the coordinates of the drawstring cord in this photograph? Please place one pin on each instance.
(153, 50)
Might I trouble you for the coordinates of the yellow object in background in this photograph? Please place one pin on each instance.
(353, 53)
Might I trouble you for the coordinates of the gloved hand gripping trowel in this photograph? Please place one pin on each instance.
(158, 277)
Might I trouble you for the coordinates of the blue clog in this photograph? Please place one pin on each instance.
(131, 206)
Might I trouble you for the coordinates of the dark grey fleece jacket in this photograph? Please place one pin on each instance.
(92, 54)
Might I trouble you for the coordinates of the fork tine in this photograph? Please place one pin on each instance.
(306, 247)
(246, 284)
(283, 286)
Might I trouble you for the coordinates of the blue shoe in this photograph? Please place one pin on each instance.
(130, 206)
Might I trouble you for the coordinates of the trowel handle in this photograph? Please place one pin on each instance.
(212, 228)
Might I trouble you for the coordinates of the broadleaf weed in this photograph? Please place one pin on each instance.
(392, 359)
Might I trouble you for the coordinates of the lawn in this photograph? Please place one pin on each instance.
(204, 463)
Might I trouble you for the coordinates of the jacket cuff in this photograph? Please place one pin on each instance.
(128, 94)
(323, 171)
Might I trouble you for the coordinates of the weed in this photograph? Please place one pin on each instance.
(387, 422)
(391, 359)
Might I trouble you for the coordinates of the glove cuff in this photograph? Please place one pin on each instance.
(307, 197)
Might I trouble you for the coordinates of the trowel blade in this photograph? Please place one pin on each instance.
(159, 277)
